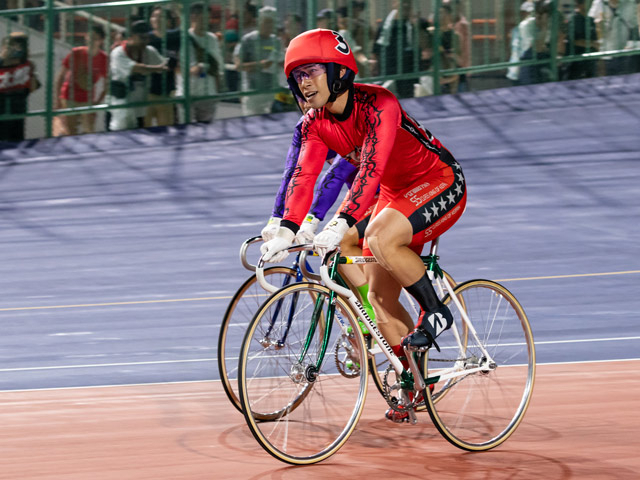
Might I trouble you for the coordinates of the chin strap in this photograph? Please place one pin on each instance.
(337, 85)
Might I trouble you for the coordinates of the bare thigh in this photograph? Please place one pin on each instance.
(384, 294)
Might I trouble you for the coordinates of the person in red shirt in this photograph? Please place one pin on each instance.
(81, 81)
(422, 188)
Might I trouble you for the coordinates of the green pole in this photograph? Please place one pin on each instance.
(437, 40)
(185, 60)
(50, 27)
(553, 50)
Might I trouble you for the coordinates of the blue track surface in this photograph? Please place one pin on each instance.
(120, 250)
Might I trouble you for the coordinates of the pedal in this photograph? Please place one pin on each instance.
(418, 380)
(412, 414)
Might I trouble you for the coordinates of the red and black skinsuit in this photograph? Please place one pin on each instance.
(416, 174)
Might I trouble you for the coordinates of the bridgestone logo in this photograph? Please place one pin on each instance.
(374, 329)
(364, 260)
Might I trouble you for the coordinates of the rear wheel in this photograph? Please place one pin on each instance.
(241, 309)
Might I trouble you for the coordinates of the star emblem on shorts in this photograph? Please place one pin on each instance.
(458, 189)
(460, 177)
(434, 209)
(443, 204)
(451, 197)
(427, 215)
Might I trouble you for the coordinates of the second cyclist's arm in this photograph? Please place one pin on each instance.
(329, 187)
(292, 161)
(313, 153)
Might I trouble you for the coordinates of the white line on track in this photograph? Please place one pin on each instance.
(220, 392)
(228, 297)
(200, 360)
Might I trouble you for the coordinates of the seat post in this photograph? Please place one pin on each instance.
(434, 246)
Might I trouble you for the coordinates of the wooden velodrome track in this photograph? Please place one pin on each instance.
(582, 423)
(120, 256)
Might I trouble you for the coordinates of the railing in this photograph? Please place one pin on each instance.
(489, 26)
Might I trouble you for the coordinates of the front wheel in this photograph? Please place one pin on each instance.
(303, 374)
(489, 381)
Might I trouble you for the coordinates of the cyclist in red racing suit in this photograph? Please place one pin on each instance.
(422, 188)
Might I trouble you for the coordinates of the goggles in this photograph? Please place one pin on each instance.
(309, 70)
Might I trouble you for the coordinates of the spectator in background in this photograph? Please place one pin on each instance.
(165, 38)
(249, 20)
(292, 27)
(17, 80)
(359, 28)
(581, 38)
(536, 32)
(617, 26)
(462, 29)
(131, 63)
(518, 42)
(326, 18)
(231, 75)
(343, 28)
(206, 67)
(395, 44)
(259, 59)
(81, 82)
(450, 50)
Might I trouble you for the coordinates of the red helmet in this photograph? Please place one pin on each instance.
(319, 46)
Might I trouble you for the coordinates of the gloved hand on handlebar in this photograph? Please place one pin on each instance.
(275, 250)
(307, 230)
(329, 238)
(270, 229)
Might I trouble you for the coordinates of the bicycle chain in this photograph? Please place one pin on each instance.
(392, 401)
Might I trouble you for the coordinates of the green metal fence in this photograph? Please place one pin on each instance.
(449, 45)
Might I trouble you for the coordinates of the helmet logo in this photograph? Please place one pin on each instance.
(342, 46)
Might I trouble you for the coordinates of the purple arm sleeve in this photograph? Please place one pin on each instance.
(292, 161)
(328, 189)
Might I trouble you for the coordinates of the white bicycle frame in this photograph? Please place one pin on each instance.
(443, 286)
(386, 348)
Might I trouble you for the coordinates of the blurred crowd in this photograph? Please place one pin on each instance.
(243, 50)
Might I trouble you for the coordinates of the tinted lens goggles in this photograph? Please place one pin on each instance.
(310, 70)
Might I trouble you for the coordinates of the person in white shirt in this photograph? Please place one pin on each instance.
(206, 66)
(517, 42)
(617, 25)
(130, 64)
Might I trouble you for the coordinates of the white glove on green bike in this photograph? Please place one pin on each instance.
(270, 229)
(329, 238)
(307, 230)
(275, 250)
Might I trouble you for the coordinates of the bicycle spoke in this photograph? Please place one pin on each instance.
(483, 407)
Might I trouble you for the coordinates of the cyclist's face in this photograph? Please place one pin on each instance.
(312, 81)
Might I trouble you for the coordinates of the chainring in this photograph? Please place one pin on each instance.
(395, 402)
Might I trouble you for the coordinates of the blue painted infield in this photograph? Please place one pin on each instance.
(157, 216)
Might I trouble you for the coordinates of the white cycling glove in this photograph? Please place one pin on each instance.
(270, 229)
(307, 229)
(275, 250)
(329, 238)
